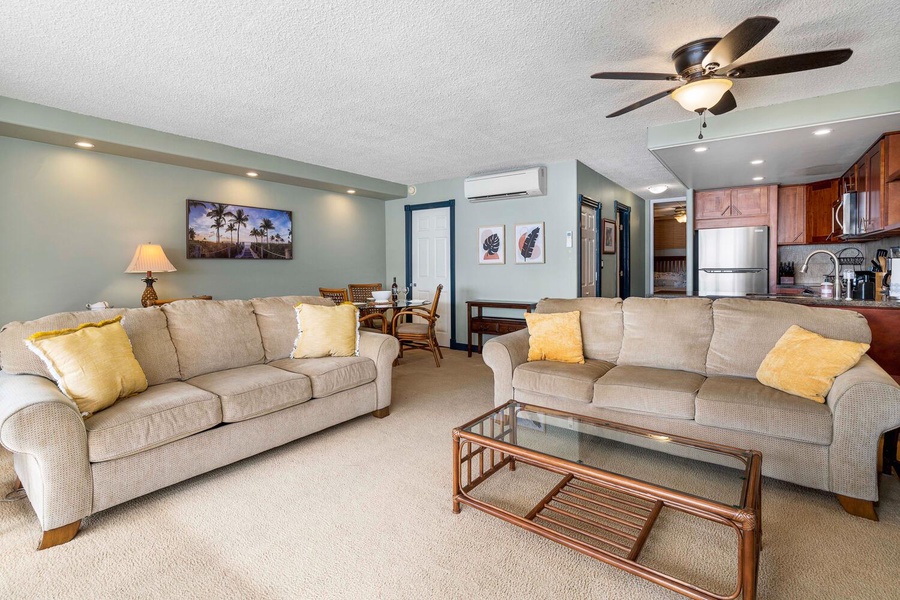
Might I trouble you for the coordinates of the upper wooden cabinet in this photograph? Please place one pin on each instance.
(821, 201)
(875, 178)
(747, 202)
(733, 205)
(712, 204)
(791, 215)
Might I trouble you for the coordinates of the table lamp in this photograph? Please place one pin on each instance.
(148, 258)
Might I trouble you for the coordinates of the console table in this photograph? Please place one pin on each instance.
(480, 324)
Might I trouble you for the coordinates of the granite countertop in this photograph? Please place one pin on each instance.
(819, 301)
(807, 300)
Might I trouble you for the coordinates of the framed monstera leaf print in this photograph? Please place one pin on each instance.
(492, 245)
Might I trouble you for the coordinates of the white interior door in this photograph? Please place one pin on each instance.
(589, 271)
(431, 263)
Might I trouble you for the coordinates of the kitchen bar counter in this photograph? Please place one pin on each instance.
(806, 300)
(883, 318)
(819, 301)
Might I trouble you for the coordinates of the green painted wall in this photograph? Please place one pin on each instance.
(607, 193)
(72, 219)
(558, 209)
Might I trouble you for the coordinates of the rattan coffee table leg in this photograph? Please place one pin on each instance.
(456, 472)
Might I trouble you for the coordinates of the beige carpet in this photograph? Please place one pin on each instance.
(363, 511)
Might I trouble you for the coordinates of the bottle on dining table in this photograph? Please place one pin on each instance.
(394, 290)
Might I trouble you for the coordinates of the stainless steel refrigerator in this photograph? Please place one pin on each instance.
(733, 261)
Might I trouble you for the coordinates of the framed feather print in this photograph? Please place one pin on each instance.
(492, 245)
(530, 244)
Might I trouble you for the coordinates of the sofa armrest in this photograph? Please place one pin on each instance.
(383, 349)
(45, 431)
(865, 402)
(503, 354)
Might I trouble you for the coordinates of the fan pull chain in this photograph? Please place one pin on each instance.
(700, 137)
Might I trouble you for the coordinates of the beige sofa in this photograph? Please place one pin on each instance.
(222, 388)
(687, 366)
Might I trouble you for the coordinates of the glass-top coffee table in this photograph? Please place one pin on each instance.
(614, 482)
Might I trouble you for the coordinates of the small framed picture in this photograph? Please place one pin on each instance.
(530, 244)
(492, 245)
(609, 236)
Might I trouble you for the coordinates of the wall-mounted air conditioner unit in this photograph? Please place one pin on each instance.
(512, 184)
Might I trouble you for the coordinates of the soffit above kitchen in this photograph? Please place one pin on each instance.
(782, 136)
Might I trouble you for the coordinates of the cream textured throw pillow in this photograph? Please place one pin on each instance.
(326, 331)
(93, 364)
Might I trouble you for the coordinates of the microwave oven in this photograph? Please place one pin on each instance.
(850, 202)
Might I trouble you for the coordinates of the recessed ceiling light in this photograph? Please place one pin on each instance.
(252, 174)
(758, 161)
(701, 149)
(351, 191)
(825, 131)
(657, 189)
(84, 144)
(758, 178)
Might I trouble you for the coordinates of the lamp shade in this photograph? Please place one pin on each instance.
(701, 95)
(149, 257)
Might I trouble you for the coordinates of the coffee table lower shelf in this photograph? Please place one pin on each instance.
(603, 515)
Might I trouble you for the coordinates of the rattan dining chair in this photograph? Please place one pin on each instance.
(368, 317)
(338, 295)
(419, 336)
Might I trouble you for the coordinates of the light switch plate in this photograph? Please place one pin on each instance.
(568, 239)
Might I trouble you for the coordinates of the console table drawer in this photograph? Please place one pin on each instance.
(495, 325)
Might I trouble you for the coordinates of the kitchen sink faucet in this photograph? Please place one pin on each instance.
(837, 283)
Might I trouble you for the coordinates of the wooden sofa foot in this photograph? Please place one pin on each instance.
(17, 485)
(382, 412)
(60, 535)
(858, 508)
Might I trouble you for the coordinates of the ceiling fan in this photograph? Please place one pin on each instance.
(704, 68)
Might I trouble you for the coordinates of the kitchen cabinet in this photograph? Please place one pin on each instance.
(821, 200)
(746, 202)
(791, 215)
(871, 218)
(734, 206)
(712, 204)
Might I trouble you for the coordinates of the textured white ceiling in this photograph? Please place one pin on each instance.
(414, 91)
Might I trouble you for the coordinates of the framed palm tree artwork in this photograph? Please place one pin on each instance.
(530, 244)
(218, 230)
(492, 245)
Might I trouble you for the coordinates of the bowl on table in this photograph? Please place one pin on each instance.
(382, 296)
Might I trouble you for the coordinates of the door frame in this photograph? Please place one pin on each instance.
(650, 250)
(623, 251)
(408, 211)
(597, 206)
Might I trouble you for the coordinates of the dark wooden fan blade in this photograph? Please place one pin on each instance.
(635, 76)
(727, 103)
(790, 64)
(738, 41)
(641, 103)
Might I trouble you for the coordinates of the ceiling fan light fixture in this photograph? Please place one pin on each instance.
(698, 96)
(680, 215)
(657, 189)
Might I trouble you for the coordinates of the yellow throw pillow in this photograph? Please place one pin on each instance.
(805, 364)
(326, 331)
(555, 336)
(92, 364)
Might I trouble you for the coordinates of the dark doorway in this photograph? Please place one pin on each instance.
(623, 222)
